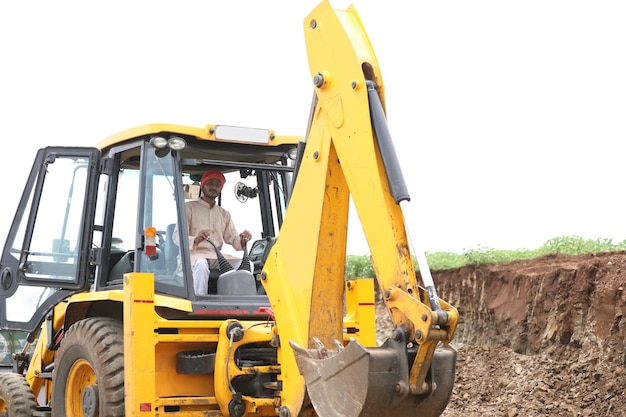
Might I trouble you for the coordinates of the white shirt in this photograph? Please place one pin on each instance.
(200, 215)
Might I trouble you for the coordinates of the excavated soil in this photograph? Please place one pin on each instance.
(540, 337)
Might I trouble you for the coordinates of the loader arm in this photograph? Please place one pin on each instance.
(348, 154)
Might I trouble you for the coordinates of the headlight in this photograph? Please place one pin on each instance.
(176, 143)
(158, 142)
(292, 154)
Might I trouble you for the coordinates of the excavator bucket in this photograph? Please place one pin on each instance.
(356, 381)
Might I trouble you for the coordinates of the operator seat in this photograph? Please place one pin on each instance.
(171, 249)
(125, 265)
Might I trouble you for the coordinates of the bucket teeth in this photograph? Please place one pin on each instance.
(338, 345)
(320, 351)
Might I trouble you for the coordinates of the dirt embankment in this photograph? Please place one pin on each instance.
(541, 337)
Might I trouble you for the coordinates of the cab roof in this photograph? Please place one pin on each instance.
(210, 132)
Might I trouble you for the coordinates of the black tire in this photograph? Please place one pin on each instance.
(88, 377)
(16, 397)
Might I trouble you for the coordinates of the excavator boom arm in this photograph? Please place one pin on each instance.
(348, 154)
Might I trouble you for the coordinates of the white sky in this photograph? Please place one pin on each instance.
(509, 118)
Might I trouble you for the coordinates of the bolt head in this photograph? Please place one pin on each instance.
(397, 334)
(318, 80)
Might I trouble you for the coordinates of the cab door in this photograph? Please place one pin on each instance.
(46, 255)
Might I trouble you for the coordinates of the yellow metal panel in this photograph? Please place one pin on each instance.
(139, 344)
(160, 300)
(42, 357)
(290, 267)
(361, 310)
(113, 295)
(169, 383)
(328, 274)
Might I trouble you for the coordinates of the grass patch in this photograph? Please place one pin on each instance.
(360, 265)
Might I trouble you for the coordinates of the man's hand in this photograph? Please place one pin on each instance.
(202, 236)
(245, 237)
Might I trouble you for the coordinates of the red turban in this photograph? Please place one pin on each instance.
(212, 175)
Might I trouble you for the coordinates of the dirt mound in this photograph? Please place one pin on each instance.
(539, 337)
(493, 380)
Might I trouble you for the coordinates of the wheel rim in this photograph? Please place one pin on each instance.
(3, 405)
(81, 380)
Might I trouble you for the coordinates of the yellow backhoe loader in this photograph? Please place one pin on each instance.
(96, 268)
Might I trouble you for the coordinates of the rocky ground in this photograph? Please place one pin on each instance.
(493, 380)
(542, 337)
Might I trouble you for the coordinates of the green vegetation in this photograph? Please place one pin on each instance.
(360, 265)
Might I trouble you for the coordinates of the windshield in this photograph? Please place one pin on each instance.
(159, 196)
